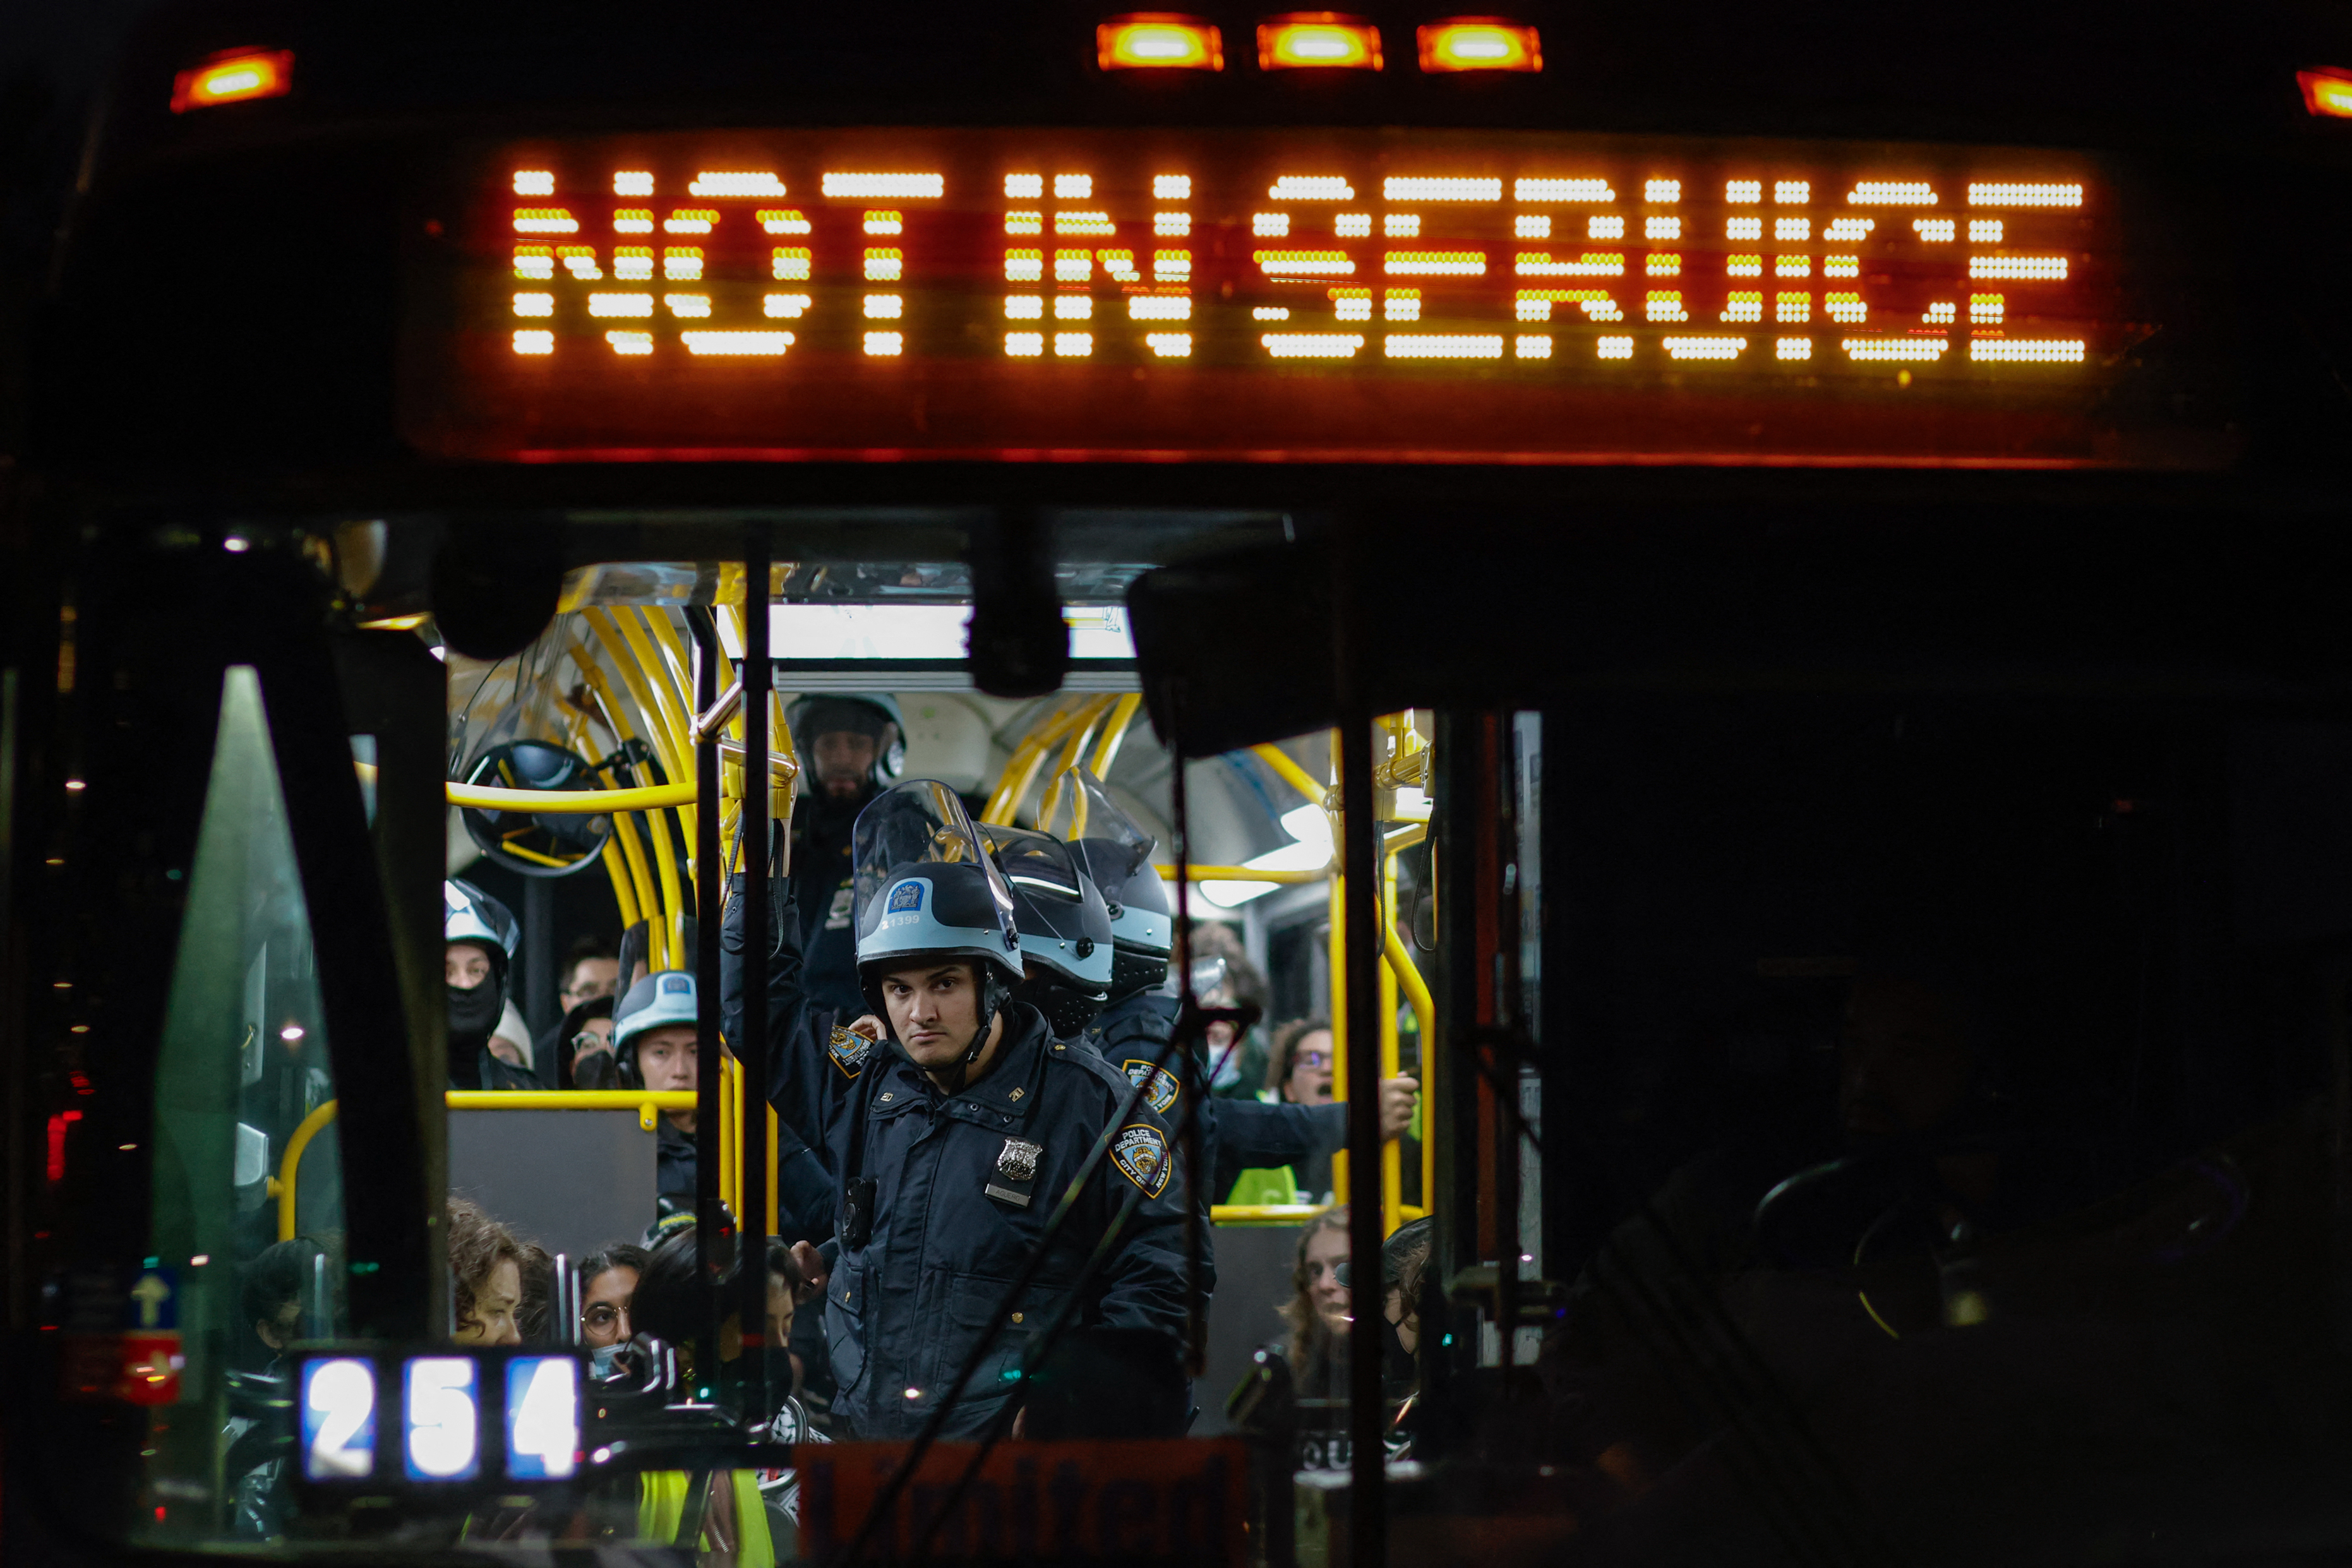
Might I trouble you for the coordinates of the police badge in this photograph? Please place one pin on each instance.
(1016, 1167)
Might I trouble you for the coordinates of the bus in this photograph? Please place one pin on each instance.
(1753, 603)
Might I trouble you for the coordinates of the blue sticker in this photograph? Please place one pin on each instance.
(677, 984)
(905, 895)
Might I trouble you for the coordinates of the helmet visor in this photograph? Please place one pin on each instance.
(1059, 913)
(920, 826)
(1113, 845)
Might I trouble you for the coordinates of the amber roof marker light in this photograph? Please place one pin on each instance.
(1158, 40)
(1318, 40)
(232, 75)
(1478, 43)
(2327, 93)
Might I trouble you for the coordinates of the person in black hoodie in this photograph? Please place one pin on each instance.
(480, 935)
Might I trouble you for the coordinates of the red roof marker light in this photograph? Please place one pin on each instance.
(1318, 40)
(2327, 93)
(1479, 44)
(1158, 40)
(232, 76)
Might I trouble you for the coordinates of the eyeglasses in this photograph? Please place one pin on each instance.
(1311, 1059)
(603, 1315)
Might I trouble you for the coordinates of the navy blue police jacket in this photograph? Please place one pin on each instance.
(1132, 1033)
(951, 1229)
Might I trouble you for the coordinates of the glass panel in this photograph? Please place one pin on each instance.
(242, 1076)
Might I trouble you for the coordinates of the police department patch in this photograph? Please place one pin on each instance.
(848, 1049)
(907, 894)
(1162, 1095)
(1140, 1153)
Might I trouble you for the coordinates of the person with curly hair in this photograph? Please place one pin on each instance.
(1317, 1309)
(485, 1265)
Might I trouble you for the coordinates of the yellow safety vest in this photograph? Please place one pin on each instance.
(661, 1504)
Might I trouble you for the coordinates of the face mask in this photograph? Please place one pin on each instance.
(600, 1365)
(474, 1013)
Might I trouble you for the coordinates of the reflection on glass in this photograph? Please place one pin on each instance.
(241, 1068)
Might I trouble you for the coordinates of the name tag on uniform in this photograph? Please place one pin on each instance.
(1016, 1168)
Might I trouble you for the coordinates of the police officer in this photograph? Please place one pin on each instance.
(479, 937)
(953, 1134)
(1063, 926)
(852, 745)
(1138, 1019)
(657, 1044)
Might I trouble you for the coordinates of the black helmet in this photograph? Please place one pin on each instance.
(873, 714)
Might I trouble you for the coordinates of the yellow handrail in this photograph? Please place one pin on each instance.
(617, 868)
(625, 829)
(569, 802)
(1264, 1213)
(295, 1147)
(1295, 776)
(1020, 767)
(1424, 1014)
(1114, 733)
(1243, 873)
(637, 1100)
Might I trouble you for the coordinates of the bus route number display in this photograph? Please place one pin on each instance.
(1357, 296)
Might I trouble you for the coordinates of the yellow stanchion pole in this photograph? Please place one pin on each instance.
(1392, 1151)
(649, 909)
(774, 1165)
(623, 893)
(1115, 734)
(1337, 953)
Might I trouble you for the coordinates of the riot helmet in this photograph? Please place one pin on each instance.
(1065, 927)
(470, 914)
(473, 918)
(663, 1000)
(925, 888)
(1116, 854)
(873, 714)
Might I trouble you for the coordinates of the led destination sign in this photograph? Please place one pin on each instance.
(1266, 296)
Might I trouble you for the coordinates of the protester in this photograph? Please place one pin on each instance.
(1316, 1312)
(608, 1280)
(486, 1272)
(590, 972)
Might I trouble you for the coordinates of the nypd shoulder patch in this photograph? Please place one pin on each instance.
(1162, 1095)
(848, 1049)
(1140, 1153)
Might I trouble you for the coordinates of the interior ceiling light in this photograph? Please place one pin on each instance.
(1158, 40)
(1479, 44)
(1318, 40)
(232, 76)
(2326, 92)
